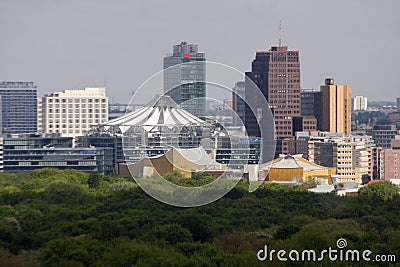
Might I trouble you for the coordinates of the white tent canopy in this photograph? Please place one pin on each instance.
(161, 111)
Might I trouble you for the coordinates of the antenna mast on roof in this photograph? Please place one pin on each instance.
(280, 33)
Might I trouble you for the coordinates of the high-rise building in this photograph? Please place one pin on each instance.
(185, 76)
(74, 112)
(336, 107)
(398, 103)
(277, 74)
(18, 107)
(238, 103)
(311, 105)
(360, 103)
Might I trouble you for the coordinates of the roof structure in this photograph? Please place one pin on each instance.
(197, 155)
(291, 162)
(296, 168)
(184, 160)
(161, 111)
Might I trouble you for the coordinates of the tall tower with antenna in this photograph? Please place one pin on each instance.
(276, 72)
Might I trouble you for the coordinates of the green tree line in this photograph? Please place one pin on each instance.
(69, 218)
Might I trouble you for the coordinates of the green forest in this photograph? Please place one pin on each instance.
(69, 218)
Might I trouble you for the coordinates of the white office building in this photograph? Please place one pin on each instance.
(73, 112)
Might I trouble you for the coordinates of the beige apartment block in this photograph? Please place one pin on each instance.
(350, 155)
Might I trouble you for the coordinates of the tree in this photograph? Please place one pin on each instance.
(94, 180)
(64, 193)
(310, 183)
(286, 231)
(339, 186)
(71, 251)
(380, 190)
(174, 177)
(169, 233)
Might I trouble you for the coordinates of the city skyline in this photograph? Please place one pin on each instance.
(106, 44)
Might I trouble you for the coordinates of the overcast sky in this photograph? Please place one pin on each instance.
(62, 44)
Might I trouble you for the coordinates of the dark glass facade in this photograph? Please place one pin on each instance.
(237, 153)
(18, 107)
(311, 105)
(324, 154)
(238, 103)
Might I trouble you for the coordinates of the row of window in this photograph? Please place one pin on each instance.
(283, 65)
(77, 111)
(272, 81)
(76, 100)
(65, 131)
(284, 86)
(283, 128)
(283, 133)
(82, 124)
(77, 105)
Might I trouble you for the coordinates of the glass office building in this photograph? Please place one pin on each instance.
(18, 109)
(185, 76)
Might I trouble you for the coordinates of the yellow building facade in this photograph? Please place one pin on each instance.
(295, 168)
(336, 107)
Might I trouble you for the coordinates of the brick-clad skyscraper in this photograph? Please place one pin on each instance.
(277, 73)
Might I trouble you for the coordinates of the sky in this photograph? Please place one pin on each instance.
(64, 44)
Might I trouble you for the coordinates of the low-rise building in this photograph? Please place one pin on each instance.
(185, 161)
(291, 146)
(24, 153)
(294, 168)
(395, 143)
(304, 124)
(349, 154)
(383, 135)
(390, 164)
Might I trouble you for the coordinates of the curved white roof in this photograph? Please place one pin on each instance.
(161, 111)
